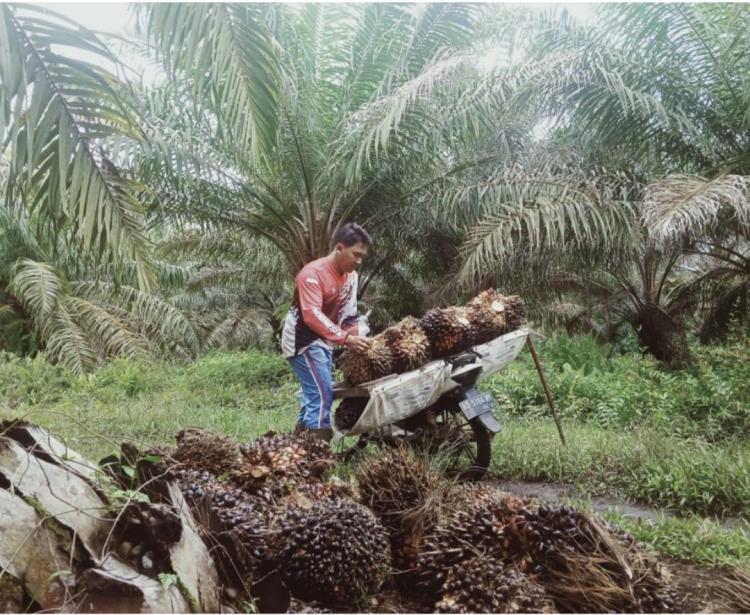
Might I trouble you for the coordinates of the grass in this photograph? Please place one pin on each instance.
(691, 539)
(244, 394)
(643, 464)
(612, 447)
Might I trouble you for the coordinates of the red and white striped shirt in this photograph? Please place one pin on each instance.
(324, 308)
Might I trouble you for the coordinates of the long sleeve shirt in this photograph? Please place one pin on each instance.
(324, 308)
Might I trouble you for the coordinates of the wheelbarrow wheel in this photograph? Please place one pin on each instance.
(478, 454)
(467, 445)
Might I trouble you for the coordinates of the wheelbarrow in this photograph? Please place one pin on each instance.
(436, 408)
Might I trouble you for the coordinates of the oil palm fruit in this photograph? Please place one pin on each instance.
(334, 551)
(488, 585)
(408, 344)
(201, 449)
(448, 330)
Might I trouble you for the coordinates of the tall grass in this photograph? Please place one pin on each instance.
(709, 400)
(242, 394)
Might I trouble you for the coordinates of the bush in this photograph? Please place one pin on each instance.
(710, 399)
(31, 381)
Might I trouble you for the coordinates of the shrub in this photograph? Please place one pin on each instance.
(31, 381)
(710, 399)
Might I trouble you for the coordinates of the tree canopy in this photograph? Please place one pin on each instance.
(599, 169)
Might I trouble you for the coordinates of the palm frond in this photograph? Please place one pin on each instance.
(228, 53)
(110, 335)
(238, 329)
(38, 286)
(68, 344)
(545, 217)
(689, 206)
(147, 309)
(62, 109)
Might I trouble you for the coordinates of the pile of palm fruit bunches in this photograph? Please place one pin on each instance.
(413, 342)
(439, 333)
(396, 536)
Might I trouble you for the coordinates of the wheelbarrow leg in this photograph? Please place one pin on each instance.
(547, 393)
(355, 448)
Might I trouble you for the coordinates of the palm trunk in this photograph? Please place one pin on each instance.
(662, 336)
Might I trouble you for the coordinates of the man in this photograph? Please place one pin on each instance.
(324, 314)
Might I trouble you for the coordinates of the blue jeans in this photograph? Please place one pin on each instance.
(313, 368)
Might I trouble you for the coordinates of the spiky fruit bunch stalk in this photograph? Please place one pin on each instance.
(374, 363)
(201, 449)
(488, 585)
(408, 344)
(335, 551)
(474, 519)
(563, 543)
(449, 330)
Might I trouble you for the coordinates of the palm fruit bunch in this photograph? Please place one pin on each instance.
(374, 363)
(563, 543)
(448, 330)
(474, 518)
(515, 312)
(547, 532)
(400, 488)
(201, 449)
(395, 483)
(408, 344)
(486, 312)
(488, 585)
(334, 551)
(493, 314)
(275, 465)
(348, 412)
(242, 516)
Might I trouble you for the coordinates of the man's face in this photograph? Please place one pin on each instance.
(349, 258)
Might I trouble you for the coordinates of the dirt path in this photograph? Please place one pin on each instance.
(545, 492)
(550, 493)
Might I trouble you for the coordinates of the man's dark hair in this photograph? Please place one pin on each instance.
(352, 233)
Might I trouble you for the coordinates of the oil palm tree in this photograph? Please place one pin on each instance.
(60, 120)
(375, 107)
(53, 300)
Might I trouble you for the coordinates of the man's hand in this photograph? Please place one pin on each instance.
(358, 343)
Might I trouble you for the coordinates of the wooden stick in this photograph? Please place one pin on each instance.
(546, 388)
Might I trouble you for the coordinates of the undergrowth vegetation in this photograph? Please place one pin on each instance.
(243, 394)
(709, 400)
(677, 440)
